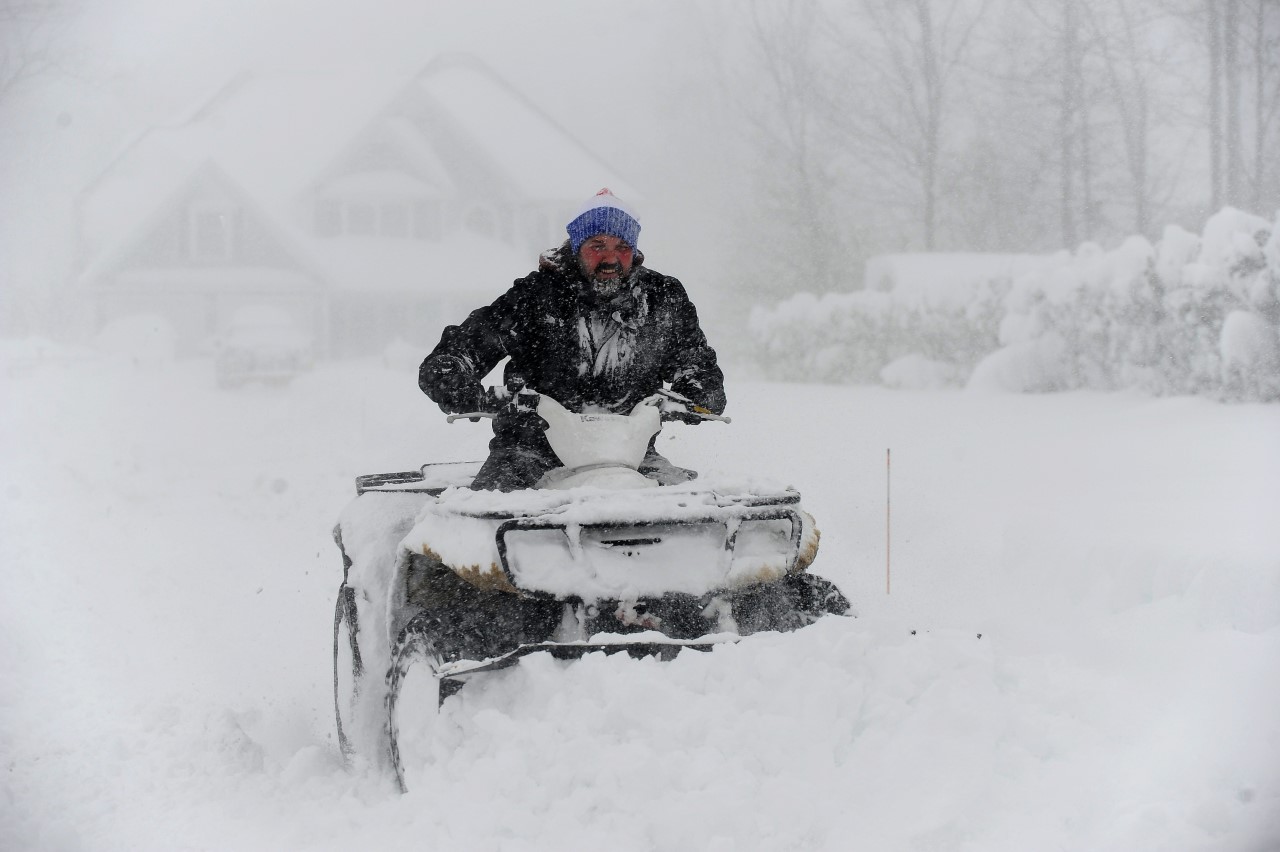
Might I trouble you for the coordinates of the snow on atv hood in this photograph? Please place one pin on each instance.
(598, 544)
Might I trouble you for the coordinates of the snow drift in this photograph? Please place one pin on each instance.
(1190, 314)
(168, 612)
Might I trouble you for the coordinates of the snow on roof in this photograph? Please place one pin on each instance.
(379, 184)
(539, 158)
(424, 157)
(270, 133)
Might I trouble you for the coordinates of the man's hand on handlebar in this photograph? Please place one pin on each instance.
(454, 387)
(513, 409)
(518, 420)
(673, 406)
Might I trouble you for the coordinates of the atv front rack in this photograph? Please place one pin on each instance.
(432, 478)
(644, 645)
(627, 539)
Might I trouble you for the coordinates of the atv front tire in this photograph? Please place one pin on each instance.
(414, 695)
(348, 668)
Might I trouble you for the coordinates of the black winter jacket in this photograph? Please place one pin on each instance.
(585, 350)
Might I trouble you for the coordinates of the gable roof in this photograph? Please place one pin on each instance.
(268, 133)
(539, 158)
(208, 174)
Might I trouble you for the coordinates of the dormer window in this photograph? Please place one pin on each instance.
(379, 203)
(211, 232)
(394, 219)
(328, 217)
(481, 220)
(428, 220)
(421, 219)
(362, 218)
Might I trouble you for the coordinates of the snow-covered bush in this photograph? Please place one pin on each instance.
(855, 337)
(833, 338)
(1190, 314)
(1250, 351)
(916, 372)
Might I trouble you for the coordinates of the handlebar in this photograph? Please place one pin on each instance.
(491, 402)
(496, 399)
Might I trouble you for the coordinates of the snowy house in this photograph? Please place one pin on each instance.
(369, 209)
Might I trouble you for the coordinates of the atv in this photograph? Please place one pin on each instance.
(442, 583)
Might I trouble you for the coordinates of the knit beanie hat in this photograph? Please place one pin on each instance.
(603, 213)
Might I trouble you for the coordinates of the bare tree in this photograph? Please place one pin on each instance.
(933, 123)
(1044, 68)
(29, 35)
(1231, 84)
(1069, 120)
(1243, 48)
(796, 238)
(1215, 103)
(915, 53)
(1133, 54)
(1266, 103)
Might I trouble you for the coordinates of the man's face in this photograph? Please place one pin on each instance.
(605, 259)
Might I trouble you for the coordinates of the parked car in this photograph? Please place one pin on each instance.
(262, 344)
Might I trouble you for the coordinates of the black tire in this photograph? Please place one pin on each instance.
(797, 600)
(816, 595)
(414, 695)
(348, 667)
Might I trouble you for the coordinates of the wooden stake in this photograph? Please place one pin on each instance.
(888, 473)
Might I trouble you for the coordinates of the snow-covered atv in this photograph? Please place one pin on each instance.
(442, 583)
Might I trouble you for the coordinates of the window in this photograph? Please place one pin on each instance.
(395, 219)
(328, 217)
(362, 218)
(481, 220)
(428, 220)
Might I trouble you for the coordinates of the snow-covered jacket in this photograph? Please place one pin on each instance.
(582, 349)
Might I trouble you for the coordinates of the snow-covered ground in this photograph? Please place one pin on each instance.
(166, 618)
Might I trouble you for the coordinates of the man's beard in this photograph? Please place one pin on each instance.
(608, 286)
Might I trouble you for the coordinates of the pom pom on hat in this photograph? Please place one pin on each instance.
(603, 213)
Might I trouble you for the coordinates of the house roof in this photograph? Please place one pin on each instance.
(540, 159)
(274, 136)
(269, 133)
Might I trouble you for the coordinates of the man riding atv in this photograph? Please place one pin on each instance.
(562, 543)
(592, 327)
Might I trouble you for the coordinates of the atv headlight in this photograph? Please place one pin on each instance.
(763, 549)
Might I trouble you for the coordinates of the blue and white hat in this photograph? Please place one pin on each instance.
(603, 213)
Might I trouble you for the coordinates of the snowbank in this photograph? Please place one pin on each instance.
(1190, 314)
(166, 630)
(144, 339)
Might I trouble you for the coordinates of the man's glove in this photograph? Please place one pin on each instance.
(683, 417)
(670, 409)
(518, 422)
(450, 382)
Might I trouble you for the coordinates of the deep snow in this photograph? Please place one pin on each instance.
(166, 622)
